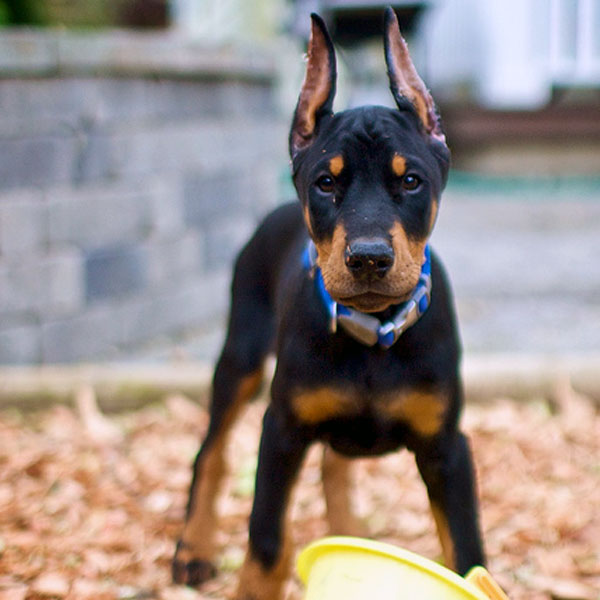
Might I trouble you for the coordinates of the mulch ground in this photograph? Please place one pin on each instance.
(90, 505)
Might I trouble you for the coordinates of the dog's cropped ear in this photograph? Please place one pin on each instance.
(318, 88)
(405, 82)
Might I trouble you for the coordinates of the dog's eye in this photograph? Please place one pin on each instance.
(411, 182)
(326, 184)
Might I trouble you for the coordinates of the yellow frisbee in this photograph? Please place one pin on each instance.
(358, 569)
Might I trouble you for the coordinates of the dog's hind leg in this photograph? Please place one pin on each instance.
(336, 473)
(237, 378)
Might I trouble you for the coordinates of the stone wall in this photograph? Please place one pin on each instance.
(132, 168)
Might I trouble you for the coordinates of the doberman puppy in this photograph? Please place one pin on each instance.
(358, 308)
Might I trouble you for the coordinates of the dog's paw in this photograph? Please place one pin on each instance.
(188, 570)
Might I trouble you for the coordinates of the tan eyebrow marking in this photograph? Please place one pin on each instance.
(398, 165)
(336, 164)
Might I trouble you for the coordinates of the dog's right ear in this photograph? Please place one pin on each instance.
(318, 88)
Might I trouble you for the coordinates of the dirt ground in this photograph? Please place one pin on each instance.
(90, 505)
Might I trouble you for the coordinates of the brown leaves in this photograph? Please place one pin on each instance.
(54, 585)
(90, 504)
(540, 487)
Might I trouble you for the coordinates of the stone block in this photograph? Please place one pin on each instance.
(46, 286)
(114, 272)
(270, 184)
(20, 345)
(205, 299)
(252, 189)
(242, 98)
(97, 216)
(224, 238)
(23, 224)
(192, 304)
(141, 100)
(94, 160)
(166, 205)
(109, 102)
(50, 99)
(170, 260)
(92, 335)
(226, 208)
(208, 144)
(210, 195)
(36, 161)
(184, 100)
(159, 55)
(125, 101)
(25, 52)
(62, 278)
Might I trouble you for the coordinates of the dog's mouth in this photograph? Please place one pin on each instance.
(371, 301)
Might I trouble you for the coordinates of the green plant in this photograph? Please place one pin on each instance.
(3, 14)
(21, 12)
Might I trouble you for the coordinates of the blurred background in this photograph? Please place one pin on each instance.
(142, 140)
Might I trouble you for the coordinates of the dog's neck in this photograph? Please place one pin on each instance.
(368, 328)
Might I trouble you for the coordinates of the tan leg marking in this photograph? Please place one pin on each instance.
(199, 528)
(337, 486)
(257, 583)
(422, 411)
(198, 531)
(444, 535)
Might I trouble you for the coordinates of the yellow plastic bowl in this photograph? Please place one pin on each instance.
(360, 569)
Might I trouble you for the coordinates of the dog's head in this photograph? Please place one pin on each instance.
(369, 178)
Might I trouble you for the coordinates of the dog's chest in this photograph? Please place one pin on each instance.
(422, 411)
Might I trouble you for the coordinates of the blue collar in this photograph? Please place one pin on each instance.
(364, 327)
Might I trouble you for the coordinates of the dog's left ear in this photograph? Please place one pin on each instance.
(405, 82)
(318, 88)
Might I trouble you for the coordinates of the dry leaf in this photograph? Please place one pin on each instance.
(159, 501)
(51, 584)
(564, 589)
(85, 589)
(11, 589)
(184, 409)
(17, 592)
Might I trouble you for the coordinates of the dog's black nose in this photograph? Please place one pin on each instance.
(366, 257)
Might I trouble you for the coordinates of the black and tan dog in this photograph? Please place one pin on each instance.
(343, 286)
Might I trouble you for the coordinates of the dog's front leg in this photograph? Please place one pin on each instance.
(267, 563)
(447, 470)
